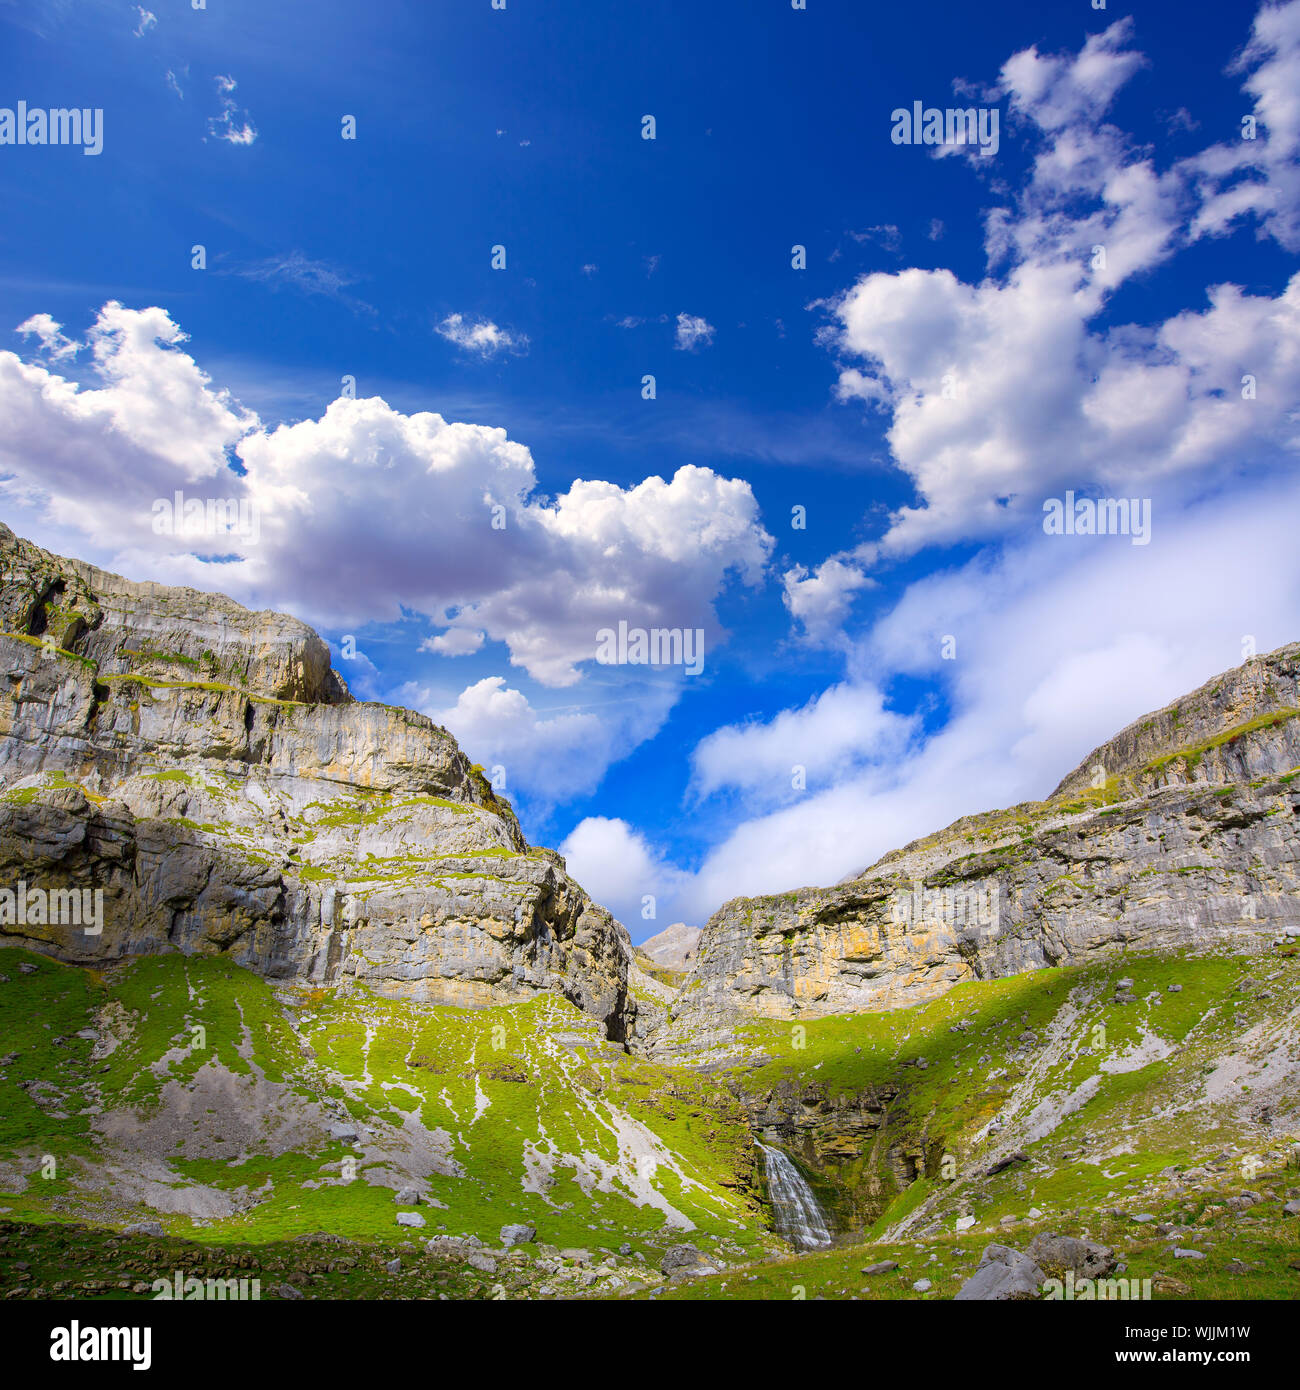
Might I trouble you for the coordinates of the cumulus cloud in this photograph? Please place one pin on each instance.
(1259, 176)
(820, 601)
(801, 749)
(364, 513)
(621, 871)
(480, 336)
(50, 334)
(548, 756)
(1005, 392)
(693, 333)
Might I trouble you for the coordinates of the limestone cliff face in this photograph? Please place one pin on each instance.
(206, 769)
(1188, 839)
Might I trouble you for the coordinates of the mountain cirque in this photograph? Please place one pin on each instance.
(205, 767)
(1002, 1025)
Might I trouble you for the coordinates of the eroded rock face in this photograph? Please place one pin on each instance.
(204, 768)
(1179, 845)
(674, 947)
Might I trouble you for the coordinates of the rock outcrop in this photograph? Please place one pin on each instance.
(1178, 833)
(674, 948)
(205, 769)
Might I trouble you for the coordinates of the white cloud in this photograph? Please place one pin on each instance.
(620, 870)
(456, 641)
(693, 333)
(365, 513)
(1259, 177)
(480, 336)
(53, 342)
(834, 732)
(819, 602)
(234, 125)
(1058, 646)
(550, 756)
(148, 20)
(1006, 392)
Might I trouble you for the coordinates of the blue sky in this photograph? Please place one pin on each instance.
(950, 357)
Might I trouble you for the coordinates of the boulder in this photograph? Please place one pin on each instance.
(453, 1247)
(410, 1218)
(1056, 1254)
(1003, 1274)
(683, 1261)
(518, 1234)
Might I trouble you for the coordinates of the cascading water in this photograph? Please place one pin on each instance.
(799, 1218)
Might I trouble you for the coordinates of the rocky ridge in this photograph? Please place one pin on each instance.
(206, 769)
(1179, 833)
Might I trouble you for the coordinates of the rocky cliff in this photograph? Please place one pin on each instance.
(674, 947)
(1178, 833)
(205, 768)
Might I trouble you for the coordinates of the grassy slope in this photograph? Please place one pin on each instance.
(494, 1080)
(490, 1080)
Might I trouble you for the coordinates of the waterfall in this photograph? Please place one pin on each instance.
(799, 1218)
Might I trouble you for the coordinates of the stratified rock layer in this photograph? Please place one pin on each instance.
(205, 768)
(1180, 832)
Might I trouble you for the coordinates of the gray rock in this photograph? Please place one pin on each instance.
(453, 1247)
(410, 1218)
(285, 1291)
(1291, 1209)
(681, 1261)
(152, 677)
(1181, 1254)
(144, 1228)
(1056, 1254)
(482, 1261)
(881, 1267)
(1003, 1274)
(394, 1266)
(922, 1286)
(407, 1197)
(518, 1234)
